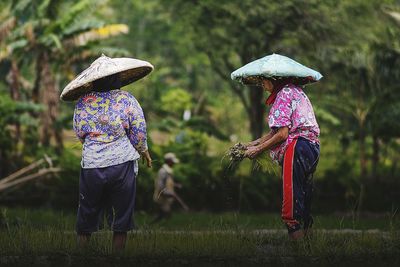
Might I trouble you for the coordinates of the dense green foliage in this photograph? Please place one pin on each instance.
(195, 45)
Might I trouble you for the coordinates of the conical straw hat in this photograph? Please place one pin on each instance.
(128, 70)
(276, 66)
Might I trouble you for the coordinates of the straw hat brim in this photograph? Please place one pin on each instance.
(128, 70)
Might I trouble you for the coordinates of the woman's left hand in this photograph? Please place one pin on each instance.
(147, 158)
(252, 143)
(252, 152)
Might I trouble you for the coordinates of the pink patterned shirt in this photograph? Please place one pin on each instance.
(293, 109)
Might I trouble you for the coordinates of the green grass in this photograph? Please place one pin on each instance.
(44, 218)
(45, 237)
(207, 247)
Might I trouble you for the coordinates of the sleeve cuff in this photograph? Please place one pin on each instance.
(143, 148)
(277, 126)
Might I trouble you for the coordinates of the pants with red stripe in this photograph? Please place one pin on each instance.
(299, 164)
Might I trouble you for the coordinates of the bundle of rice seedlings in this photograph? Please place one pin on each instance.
(262, 162)
(236, 152)
(235, 155)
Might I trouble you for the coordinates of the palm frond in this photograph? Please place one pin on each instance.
(7, 50)
(5, 11)
(18, 44)
(4, 53)
(74, 12)
(395, 15)
(97, 34)
(51, 41)
(6, 27)
(21, 5)
(56, 41)
(21, 30)
(49, 8)
(43, 7)
(83, 25)
(30, 33)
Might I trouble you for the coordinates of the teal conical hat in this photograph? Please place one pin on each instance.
(276, 66)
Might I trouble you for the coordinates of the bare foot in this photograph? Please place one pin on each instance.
(308, 232)
(296, 235)
(83, 240)
(119, 241)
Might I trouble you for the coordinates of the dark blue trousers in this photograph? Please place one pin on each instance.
(299, 164)
(107, 189)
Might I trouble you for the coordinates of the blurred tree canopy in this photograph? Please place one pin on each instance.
(194, 46)
(233, 33)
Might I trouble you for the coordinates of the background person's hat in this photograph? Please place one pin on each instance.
(171, 156)
(128, 71)
(275, 66)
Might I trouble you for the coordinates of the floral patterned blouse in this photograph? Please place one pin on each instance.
(293, 109)
(112, 128)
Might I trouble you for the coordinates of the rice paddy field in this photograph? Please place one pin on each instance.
(47, 238)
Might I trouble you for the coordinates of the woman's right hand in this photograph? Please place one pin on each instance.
(146, 157)
(252, 152)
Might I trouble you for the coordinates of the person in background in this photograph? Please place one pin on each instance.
(164, 192)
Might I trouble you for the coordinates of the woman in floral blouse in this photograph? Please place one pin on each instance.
(293, 143)
(111, 126)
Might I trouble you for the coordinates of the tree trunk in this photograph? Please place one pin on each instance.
(253, 103)
(256, 111)
(14, 88)
(58, 129)
(37, 85)
(49, 98)
(1, 163)
(363, 167)
(375, 157)
(363, 156)
(15, 95)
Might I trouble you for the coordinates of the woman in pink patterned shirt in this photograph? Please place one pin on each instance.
(293, 143)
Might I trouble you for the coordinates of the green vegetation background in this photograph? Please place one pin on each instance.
(194, 46)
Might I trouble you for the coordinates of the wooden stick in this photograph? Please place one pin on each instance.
(183, 204)
(29, 177)
(49, 160)
(20, 172)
